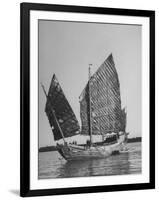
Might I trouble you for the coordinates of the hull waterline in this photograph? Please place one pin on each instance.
(75, 152)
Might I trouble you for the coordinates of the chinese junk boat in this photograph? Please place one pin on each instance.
(100, 111)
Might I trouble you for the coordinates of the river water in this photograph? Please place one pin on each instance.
(52, 165)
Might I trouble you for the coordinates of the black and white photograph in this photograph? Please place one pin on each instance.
(89, 99)
(79, 100)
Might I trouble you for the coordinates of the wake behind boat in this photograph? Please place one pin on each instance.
(100, 111)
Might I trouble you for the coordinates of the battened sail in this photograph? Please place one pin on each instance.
(59, 112)
(104, 91)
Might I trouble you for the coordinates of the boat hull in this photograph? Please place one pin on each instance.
(75, 152)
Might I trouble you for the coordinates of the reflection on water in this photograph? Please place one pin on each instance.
(108, 166)
(51, 165)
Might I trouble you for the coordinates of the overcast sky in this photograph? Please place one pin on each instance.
(67, 48)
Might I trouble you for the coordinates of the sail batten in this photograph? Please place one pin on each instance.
(107, 114)
(61, 117)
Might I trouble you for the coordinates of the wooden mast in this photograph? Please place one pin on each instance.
(90, 111)
(53, 112)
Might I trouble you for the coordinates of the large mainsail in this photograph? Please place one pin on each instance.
(59, 112)
(103, 89)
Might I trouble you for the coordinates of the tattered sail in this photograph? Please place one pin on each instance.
(103, 89)
(59, 112)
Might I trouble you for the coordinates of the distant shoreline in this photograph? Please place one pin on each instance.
(136, 139)
(53, 148)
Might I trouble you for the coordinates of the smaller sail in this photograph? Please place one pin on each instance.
(123, 120)
(61, 117)
(84, 110)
